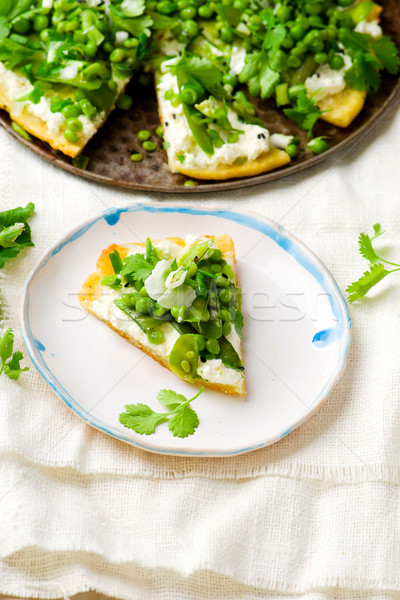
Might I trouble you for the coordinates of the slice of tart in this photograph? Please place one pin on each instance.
(178, 301)
(207, 138)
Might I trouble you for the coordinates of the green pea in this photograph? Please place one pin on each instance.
(216, 268)
(129, 300)
(222, 281)
(315, 21)
(212, 346)
(45, 35)
(317, 146)
(71, 26)
(149, 146)
(70, 111)
(74, 124)
(299, 49)
(137, 157)
(175, 312)
(313, 8)
(321, 58)
(200, 341)
(143, 135)
(226, 34)
(188, 13)
(283, 13)
(108, 47)
(205, 11)
(155, 336)
(336, 62)
(165, 7)
(160, 132)
(239, 4)
(292, 150)
(294, 62)
(186, 365)
(297, 31)
(87, 108)
(190, 354)
(225, 296)
(225, 316)
(158, 310)
(311, 36)
(188, 94)
(227, 328)
(117, 55)
(190, 183)
(190, 28)
(346, 20)
(143, 291)
(343, 32)
(40, 22)
(331, 32)
(144, 305)
(131, 42)
(22, 26)
(124, 102)
(216, 256)
(288, 42)
(71, 136)
(317, 45)
(91, 49)
(192, 270)
(145, 79)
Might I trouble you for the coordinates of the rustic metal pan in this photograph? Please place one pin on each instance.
(109, 151)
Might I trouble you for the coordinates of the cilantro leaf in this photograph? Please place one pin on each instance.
(4, 27)
(136, 268)
(377, 271)
(9, 234)
(170, 399)
(184, 422)
(205, 72)
(306, 113)
(11, 368)
(363, 73)
(359, 288)
(15, 233)
(386, 52)
(182, 419)
(366, 248)
(141, 418)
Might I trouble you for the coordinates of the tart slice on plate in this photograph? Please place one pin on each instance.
(178, 301)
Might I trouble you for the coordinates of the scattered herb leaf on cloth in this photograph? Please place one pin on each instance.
(10, 361)
(376, 271)
(15, 232)
(182, 419)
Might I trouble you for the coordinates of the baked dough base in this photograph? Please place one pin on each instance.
(92, 290)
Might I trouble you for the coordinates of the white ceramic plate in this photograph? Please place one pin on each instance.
(296, 333)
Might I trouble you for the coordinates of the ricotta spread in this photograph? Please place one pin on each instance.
(326, 81)
(371, 27)
(253, 142)
(215, 371)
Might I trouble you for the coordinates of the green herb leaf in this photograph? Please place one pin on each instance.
(306, 113)
(184, 422)
(141, 418)
(377, 270)
(116, 261)
(171, 399)
(9, 234)
(11, 368)
(112, 281)
(370, 278)
(386, 52)
(136, 268)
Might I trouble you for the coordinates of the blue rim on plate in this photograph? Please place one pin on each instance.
(289, 243)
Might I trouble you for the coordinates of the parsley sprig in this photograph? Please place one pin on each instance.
(11, 367)
(376, 270)
(182, 419)
(14, 231)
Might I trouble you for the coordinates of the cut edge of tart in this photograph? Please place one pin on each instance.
(179, 348)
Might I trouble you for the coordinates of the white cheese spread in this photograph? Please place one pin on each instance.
(253, 142)
(326, 81)
(238, 56)
(371, 27)
(215, 371)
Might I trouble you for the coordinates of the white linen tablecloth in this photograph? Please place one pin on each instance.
(313, 517)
